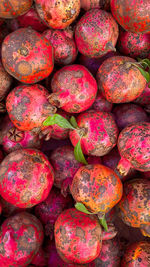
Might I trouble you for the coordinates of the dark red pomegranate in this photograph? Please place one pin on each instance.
(40, 259)
(101, 104)
(8, 209)
(144, 98)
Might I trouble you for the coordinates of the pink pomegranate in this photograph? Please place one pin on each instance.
(5, 82)
(49, 210)
(65, 51)
(32, 19)
(13, 8)
(134, 148)
(89, 4)
(144, 98)
(132, 15)
(101, 104)
(74, 89)
(126, 114)
(96, 33)
(97, 131)
(119, 80)
(33, 60)
(20, 239)
(12, 139)
(40, 259)
(65, 166)
(133, 44)
(26, 178)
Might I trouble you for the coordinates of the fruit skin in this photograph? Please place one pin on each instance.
(26, 178)
(77, 231)
(98, 132)
(13, 139)
(65, 166)
(89, 4)
(58, 132)
(119, 81)
(126, 114)
(137, 254)
(33, 60)
(5, 82)
(144, 98)
(28, 107)
(134, 207)
(133, 44)
(65, 50)
(21, 236)
(9, 209)
(134, 147)
(58, 15)
(101, 104)
(132, 15)
(49, 210)
(39, 259)
(74, 89)
(96, 33)
(13, 8)
(97, 187)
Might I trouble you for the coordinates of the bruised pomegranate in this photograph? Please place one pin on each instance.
(119, 80)
(5, 82)
(132, 15)
(134, 207)
(134, 148)
(27, 55)
(74, 89)
(26, 178)
(12, 139)
(65, 166)
(144, 98)
(65, 51)
(96, 33)
(101, 104)
(40, 259)
(58, 14)
(97, 132)
(77, 232)
(133, 44)
(13, 8)
(89, 4)
(20, 239)
(49, 210)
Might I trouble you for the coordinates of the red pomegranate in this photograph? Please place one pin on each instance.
(5, 82)
(40, 259)
(9, 209)
(89, 4)
(119, 80)
(27, 55)
(26, 178)
(96, 33)
(144, 98)
(12, 8)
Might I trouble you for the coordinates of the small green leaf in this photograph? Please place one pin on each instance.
(147, 61)
(73, 122)
(104, 223)
(59, 120)
(145, 74)
(79, 156)
(81, 207)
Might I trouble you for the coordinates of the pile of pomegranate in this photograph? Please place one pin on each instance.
(75, 133)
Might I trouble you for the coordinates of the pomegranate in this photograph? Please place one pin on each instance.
(40, 259)
(96, 33)
(74, 89)
(5, 82)
(120, 80)
(144, 98)
(134, 148)
(1, 156)
(134, 207)
(33, 60)
(89, 4)
(9, 209)
(97, 132)
(132, 15)
(65, 51)
(12, 8)
(58, 14)
(26, 178)
(20, 239)
(101, 104)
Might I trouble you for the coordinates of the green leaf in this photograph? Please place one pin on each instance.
(81, 207)
(103, 223)
(79, 156)
(73, 122)
(147, 61)
(59, 120)
(145, 74)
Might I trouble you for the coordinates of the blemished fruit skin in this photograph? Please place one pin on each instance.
(134, 147)
(27, 55)
(89, 4)
(58, 14)
(119, 81)
(133, 44)
(65, 50)
(20, 239)
(97, 187)
(28, 107)
(77, 236)
(5, 82)
(26, 178)
(74, 89)
(134, 207)
(13, 8)
(144, 98)
(96, 33)
(137, 254)
(98, 132)
(132, 15)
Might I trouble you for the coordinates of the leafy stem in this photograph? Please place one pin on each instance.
(144, 67)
